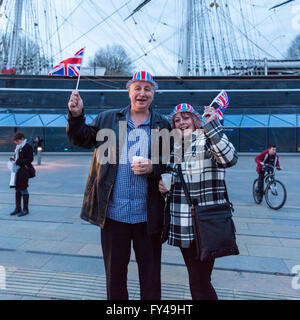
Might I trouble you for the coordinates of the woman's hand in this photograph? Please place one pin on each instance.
(162, 187)
(209, 114)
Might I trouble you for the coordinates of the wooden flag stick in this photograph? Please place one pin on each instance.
(78, 79)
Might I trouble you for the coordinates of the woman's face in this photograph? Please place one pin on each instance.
(184, 122)
(18, 142)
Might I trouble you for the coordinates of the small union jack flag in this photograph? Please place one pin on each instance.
(223, 101)
(69, 67)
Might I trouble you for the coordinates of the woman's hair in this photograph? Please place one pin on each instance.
(19, 136)
(196, 120)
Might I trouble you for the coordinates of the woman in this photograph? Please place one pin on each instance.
(207, 152)
(23, 158)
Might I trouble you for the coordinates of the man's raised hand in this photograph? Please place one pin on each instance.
(75, 104)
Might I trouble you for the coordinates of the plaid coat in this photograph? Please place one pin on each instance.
(203, 160)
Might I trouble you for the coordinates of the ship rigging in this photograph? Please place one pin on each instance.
(181, 37)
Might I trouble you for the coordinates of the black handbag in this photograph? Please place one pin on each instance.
(213, 227)
(31, 171)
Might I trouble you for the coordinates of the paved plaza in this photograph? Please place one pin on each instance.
(53, 254)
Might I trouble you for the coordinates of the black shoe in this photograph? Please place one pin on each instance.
(23, 213)
(17, 210)
(18, 204)
(25, 205)
(259, 198)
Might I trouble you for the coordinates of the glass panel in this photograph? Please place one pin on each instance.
(232, 120)
(283, 120)
(298, 138)
(61, 121)
(255, 120)
(56, 140)
(33, 122)
(253, 139)
(6, 137)
(233, 136)
(8, 121)
(47, 118)
(298, 120)
(4, 115)
(22, 117)
(90, 118)
(283, 138)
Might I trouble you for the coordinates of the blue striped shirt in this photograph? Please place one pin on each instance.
(128, 202)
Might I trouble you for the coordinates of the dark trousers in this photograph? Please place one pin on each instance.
(260, 185)
(116, 238)
(199, 275)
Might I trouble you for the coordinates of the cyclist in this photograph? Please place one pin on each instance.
(267, 157)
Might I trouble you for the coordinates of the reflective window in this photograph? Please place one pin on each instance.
(232, 120)
(6, 137)
(61, 121)
(8, 121)
(48, 118)
(283, 138)
(233, 136)
(33, 122)
(282, 120)
(90, 118)
(298, 138)
(56, 140)
(253, 139)
(22, 117)
(255, 120)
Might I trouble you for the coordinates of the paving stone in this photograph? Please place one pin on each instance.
(276, 252)
(252, 263)
(293, 243)
(75, 264)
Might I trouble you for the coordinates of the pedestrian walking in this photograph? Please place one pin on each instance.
(21, 173)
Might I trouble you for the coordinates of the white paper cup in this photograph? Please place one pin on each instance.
(167, 179)
(137, 159)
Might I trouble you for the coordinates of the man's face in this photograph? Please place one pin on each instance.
(141, 94)
(272, 151)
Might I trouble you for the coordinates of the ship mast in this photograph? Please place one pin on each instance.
(15, 35)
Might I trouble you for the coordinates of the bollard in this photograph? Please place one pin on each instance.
(39, 155)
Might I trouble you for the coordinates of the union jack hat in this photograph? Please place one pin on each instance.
(142, 76)
(184, 107)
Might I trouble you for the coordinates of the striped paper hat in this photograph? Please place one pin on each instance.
(184, 107)
(142, 76)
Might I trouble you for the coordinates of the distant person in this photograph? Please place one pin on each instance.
(37, 142)
(207, 153)
(123, 198)
(23, 158)
(267, 157)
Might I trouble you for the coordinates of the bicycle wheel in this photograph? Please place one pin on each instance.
(275, 194)
(257, 198)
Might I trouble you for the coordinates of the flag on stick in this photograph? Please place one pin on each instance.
(223, 101)
(69, 67)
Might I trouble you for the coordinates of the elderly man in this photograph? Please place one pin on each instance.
(123, 197)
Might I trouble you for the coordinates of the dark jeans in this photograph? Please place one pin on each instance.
(260, 185)
(116, 238)
(199, 275)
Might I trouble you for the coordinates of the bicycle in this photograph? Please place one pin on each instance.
(275, 191)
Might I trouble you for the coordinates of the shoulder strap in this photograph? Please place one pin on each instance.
(187, 195)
